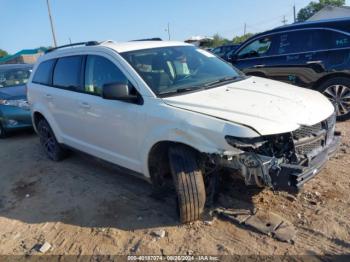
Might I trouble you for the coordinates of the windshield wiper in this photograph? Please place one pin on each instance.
(188, 89)
(200, 87)
(221, 80)
(182, 90)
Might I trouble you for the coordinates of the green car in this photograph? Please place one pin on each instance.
(14, 108)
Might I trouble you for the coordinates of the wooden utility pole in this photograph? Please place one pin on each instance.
(294, 14)
(245, 29)
(51, 22)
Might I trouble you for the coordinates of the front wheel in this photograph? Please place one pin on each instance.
(188, 181)
(48, 140)
(337, 90)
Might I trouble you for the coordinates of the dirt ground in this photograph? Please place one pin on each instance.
(82, 206)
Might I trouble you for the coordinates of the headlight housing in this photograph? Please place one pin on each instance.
(21, 103)
(246, 143)
(279, 145)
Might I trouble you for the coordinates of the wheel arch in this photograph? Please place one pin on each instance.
(158, 166)
(38, 114)
(327, 77)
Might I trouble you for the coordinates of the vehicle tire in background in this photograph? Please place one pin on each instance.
(48, 140)
(337, 90)
(188, 181)
(2, 132)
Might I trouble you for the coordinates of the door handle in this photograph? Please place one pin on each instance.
(85, 105)
(259, 66)
(314, 62)
(48, 97)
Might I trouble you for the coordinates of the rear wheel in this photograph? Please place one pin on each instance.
(48, 140)
(188, 181)
(337, 90)
(2, 132)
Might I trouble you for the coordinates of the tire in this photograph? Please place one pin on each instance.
(48, 140)
(337, 90)
(189, 183)
(2, 132)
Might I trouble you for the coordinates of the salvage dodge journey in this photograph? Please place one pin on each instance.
(172, 112)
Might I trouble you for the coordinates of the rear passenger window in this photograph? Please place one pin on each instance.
(301, 41)
(67, 72)
(100, 71)
(43, 75)
(339, 40)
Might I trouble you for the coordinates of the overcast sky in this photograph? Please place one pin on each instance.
(25, 23)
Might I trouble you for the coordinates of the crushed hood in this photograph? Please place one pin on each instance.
(267, 106)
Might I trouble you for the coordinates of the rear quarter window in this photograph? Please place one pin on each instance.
(67, 73)
(43, 74)
(339, 40)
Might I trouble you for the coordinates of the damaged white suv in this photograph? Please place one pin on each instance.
(171, 110)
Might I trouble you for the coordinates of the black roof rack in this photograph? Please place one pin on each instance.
(148, 39)
(89, 43)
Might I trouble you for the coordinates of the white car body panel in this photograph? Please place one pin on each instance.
(124, 133)
(267, 106)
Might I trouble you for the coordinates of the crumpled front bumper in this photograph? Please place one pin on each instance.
(295, 176)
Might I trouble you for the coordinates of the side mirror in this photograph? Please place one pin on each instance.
(117, 91)
(232, 58)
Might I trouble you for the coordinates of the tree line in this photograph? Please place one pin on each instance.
(303, 15)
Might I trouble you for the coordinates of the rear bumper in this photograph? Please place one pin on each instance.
(13, 118)
(295, 176)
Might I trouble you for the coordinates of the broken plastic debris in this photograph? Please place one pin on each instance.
(159, 233)
(45, 247)
(267, 223)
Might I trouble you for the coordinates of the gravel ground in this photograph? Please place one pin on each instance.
(83, 206)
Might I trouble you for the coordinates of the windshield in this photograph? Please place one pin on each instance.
(14, 77)
(175, 69)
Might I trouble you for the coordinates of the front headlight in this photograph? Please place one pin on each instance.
(245, 143)
(21, 103)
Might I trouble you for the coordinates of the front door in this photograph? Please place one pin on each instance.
(253, 58)
(111, 129)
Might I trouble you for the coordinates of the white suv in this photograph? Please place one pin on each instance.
(172, 112)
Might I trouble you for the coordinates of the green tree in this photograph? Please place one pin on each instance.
(3, 53)
(313, 7)
(242, 38)
(219, 40)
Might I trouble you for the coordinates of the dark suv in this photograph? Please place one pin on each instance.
(312, 54)
(223, 50)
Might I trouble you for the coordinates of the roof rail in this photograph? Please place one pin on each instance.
(89, 43)
(148, 39)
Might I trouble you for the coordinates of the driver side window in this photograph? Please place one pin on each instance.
(257, 48)
(100, 71)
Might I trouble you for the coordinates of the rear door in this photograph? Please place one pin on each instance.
(299, 57)
(62, 98)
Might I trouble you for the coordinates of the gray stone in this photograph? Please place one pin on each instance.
(159, 233)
